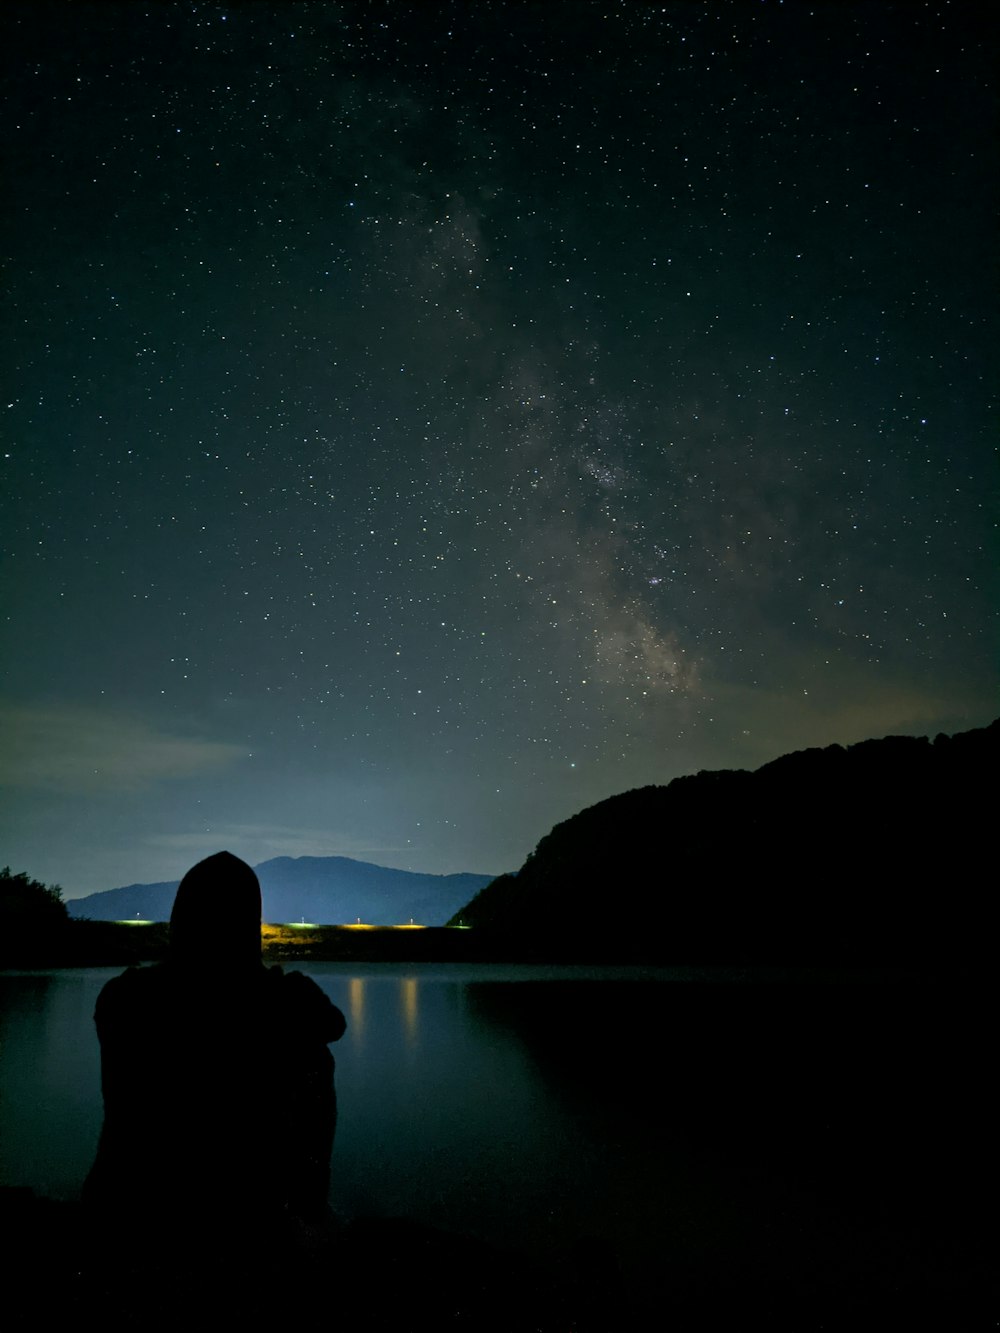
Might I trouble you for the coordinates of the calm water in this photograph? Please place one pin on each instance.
(696, 1131)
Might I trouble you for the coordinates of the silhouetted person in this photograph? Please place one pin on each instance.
(219, 1105)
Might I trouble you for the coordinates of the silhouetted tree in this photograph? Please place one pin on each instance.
(27, 903)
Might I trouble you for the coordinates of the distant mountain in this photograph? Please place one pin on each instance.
(323, 889)
(876, 852)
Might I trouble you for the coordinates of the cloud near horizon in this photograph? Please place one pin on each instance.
(73, 749)
(255, 843)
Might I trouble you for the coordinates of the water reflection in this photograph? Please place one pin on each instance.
(752, 1130)
(408, 1008)
(356, 1010)
(50, 1107)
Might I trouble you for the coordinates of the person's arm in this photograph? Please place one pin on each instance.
(313, 1022)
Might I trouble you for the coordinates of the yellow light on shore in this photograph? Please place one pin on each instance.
(275, 931)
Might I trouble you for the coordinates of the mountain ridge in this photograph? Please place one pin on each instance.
(321, 889)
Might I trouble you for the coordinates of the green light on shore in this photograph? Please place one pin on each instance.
(134, 921)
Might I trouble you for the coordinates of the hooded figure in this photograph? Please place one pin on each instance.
(219, 891)
(219, 1106)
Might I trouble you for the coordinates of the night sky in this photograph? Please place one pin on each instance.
(424, 420)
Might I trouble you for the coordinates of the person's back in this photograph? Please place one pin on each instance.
(217, 1080)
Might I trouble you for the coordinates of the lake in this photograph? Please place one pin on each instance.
(701, 1131)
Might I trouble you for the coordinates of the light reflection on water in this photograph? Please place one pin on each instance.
(444, 1116)
(419, 1079)
(357, 999)
(355, 1008)
(437, 1111)
(408, 992)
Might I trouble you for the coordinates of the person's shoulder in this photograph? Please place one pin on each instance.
(134, 980)
(130, 988)
(307, 1004)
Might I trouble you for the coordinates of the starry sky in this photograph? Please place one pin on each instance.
(424, 420)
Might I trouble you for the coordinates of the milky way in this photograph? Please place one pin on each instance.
(426, 420)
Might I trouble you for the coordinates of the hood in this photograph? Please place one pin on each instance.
(216, 914)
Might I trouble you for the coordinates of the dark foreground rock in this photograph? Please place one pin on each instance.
(393, 1274)
(370, 1274)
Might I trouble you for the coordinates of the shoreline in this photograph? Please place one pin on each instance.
(85, 943)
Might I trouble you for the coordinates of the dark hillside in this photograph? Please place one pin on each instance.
(872, 852)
